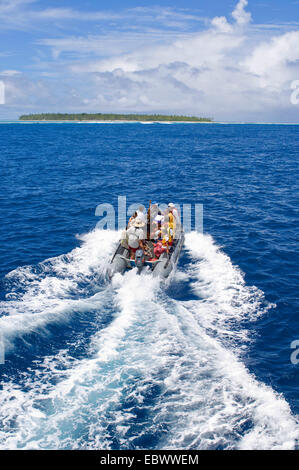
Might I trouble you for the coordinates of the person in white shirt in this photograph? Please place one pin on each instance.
(136, 236)
(159, 218)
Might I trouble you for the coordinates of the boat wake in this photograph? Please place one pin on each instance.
(159, 367)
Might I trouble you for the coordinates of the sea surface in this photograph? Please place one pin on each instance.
(201, 362)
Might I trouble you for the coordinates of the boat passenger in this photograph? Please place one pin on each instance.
(168, 237)
(175, 212)
(132, 218)
(136, 236)
(171, 219)
(159, 249)
(157, 234)
(158, 220)
(172, 222)
(148, 249)
(166, 243)
(141, 214)
(153, 211)
(167, 232)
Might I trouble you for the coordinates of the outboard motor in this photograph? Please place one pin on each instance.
(139, 260)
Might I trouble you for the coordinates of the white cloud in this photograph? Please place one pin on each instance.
(205, 49)
(221, 23)
(231, 70)
(274, 55)
(20, 15)
(241, 16)
(71, 14)
(11, 5)
(9, 73)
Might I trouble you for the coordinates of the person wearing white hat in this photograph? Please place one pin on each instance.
(132, 219)
(136, 236)
(138, 222)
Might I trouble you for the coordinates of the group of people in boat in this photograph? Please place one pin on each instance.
(153, 233)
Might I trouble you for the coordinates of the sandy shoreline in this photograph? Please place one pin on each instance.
(18, 121)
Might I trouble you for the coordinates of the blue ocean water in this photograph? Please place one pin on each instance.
(200, 363)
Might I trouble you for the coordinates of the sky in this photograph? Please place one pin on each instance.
(233, 61)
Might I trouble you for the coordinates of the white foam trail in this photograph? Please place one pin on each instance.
(212, 401)
(226, 300)
(161, 373)
(91, 383)
(47, 294)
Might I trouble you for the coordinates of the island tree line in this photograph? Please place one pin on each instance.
(109, 117)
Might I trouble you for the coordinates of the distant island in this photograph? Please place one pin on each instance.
(110, 117)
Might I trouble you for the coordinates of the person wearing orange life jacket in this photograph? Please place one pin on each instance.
(175, 213)
(171, 225)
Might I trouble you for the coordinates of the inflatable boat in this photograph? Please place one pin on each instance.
(146, 260)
